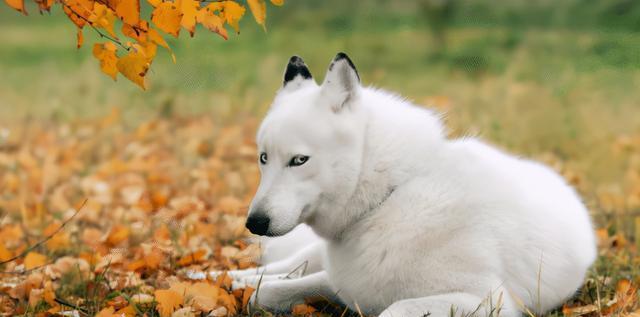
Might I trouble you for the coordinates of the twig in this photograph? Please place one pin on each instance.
(27, 271)
(102, 35)
(47, 238)
(65, 303)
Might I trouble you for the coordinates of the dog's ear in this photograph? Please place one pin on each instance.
(342, 82)
(296, 74)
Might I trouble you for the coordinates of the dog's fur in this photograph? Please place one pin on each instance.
(410, 222)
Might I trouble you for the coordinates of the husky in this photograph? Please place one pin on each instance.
(391, 217)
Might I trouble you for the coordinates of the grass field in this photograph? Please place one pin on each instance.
(557, 83)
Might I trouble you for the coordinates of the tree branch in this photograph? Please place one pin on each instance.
(102, 35)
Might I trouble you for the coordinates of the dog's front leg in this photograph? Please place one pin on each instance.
(306, 261)
(281, 295)
(452, 304)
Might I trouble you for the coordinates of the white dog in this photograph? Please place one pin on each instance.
(410, 223)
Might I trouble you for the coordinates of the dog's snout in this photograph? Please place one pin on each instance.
(258, 224)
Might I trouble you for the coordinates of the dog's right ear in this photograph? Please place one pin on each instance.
(296, 74)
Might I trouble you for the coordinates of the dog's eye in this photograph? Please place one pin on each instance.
(298, 160)
(263, 158)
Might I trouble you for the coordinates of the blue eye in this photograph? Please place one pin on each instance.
(263, 158)
(298, 160)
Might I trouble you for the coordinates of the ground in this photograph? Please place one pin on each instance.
(128, 190)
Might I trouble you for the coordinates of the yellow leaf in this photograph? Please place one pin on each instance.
(134, 66)
(277, 2)
(33, 260)
(127, 10)
(168, 301)
(209, 19)
(189, 10)
(155, 37)
(79, 38)
(204, 296)
(107, 312)
(4, 253)
(232, 13)
(138, 32)
(17, 4)
(154, 3)
(103, 17)
(167, 16)
(259, 11)
(302, 310)
(79, 11)
(106, 54)
(119, 233)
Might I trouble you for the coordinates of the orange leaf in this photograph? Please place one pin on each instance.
(79, 38)
(79, 11)
(107, 312)
(167, 17)
(189, 10)
(44, 5)
(259, 11)
(155, 37)
(4, 253)
(103, 17)
(246, 296)
(232, 13)
(154, 3)
(106, 54)
(302, 310)
(277, 2)
(168, 301)
(207, 17)
(17, 4)
(204, 296)
(33, 260)
(127, 10)
(191, 258)
(118, 233)
(134, 66)
(138, 32)
(127, 311)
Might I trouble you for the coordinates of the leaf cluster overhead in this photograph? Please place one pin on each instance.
(132, 52)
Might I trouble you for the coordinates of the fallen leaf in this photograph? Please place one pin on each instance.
(33, 260)
(168, 301)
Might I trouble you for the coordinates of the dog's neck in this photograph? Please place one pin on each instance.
(389, 160)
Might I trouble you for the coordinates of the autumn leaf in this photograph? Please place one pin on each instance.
(4, 253)
(138, 32)
(106, 54)
(189, 10)
(127, 10)
(44, 5)
(107, 312)
(33, 260)
(259, 11)
(277, 2)
(78, 11)
(204, 296)
(167, 16)
(104, 18)
(302, 310)
(134, 66)
(156, 38)
(168, 301)
(233, 12)
(209, 19)
(17, 4)
(79, 38)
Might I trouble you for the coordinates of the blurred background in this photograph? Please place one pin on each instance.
(557, 81)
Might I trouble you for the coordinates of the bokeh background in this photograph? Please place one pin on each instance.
(558, 81)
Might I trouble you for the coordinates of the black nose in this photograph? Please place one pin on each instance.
(258, 224)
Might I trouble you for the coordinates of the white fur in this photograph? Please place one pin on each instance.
(411, 222)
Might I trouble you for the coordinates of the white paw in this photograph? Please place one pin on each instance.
(271, 297)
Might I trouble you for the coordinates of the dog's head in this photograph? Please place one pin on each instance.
(310, 148)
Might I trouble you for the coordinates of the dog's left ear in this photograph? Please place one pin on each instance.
(342, 82)
(296, 74)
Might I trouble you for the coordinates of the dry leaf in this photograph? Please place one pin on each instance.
(208, 18)
(134, 66)
(34, 260)
(167, 17)
(168, 301)
(106, 54)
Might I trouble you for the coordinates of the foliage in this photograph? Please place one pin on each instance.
(168, 16)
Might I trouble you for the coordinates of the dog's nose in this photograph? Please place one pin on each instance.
(258, 224)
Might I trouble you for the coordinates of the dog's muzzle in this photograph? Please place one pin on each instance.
(258, 224)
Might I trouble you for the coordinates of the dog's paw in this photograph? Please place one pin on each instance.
(272, 297)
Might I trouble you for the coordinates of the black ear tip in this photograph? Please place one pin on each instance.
(296, 67)
(341, 55)
(296, 60)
